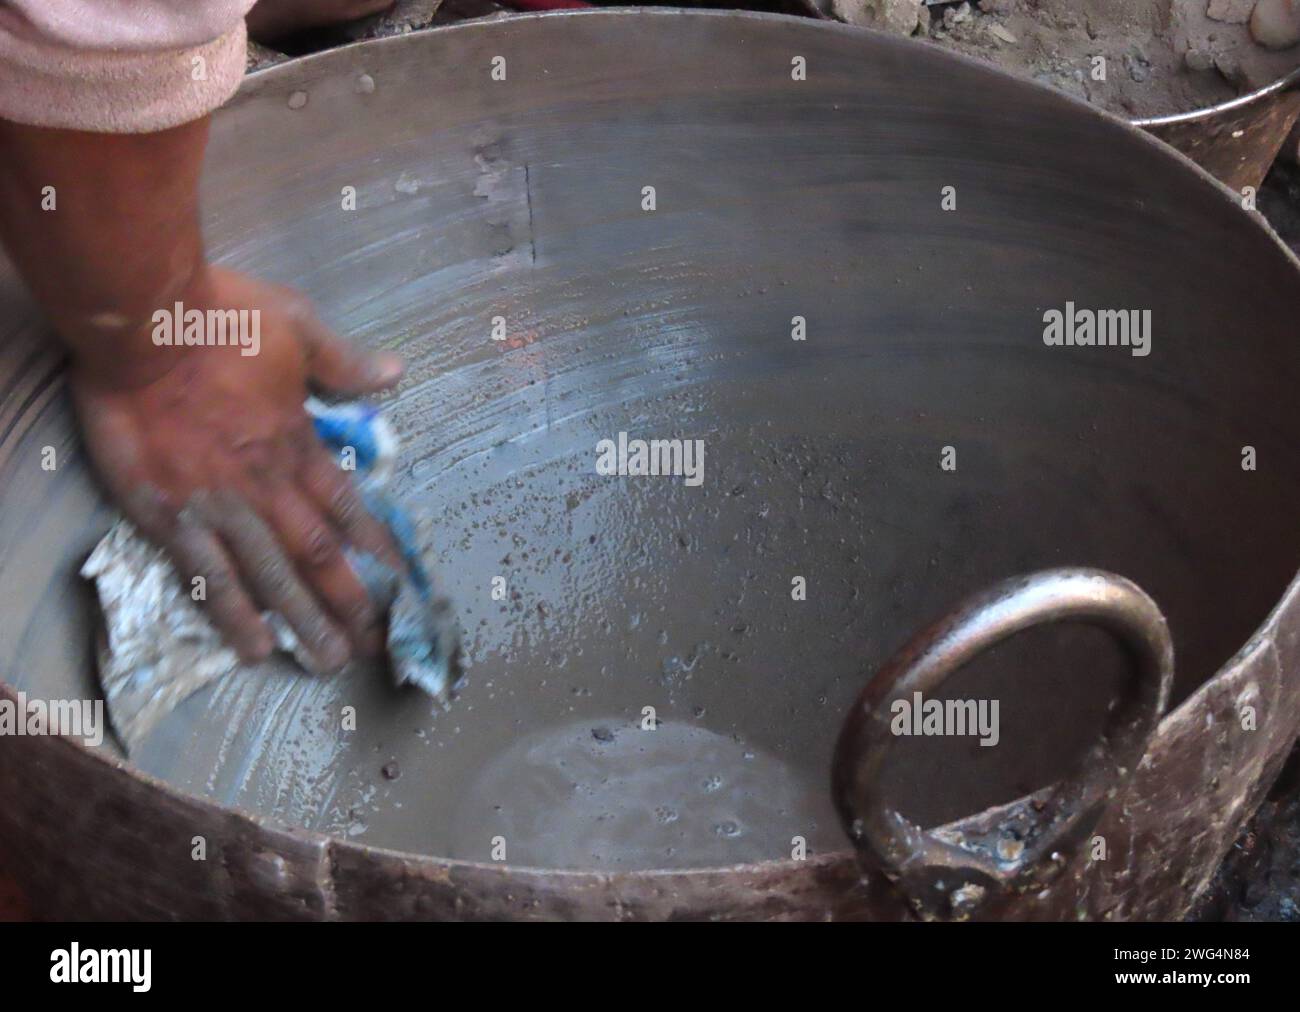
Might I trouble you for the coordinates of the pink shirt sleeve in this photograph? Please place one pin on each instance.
(118, 66)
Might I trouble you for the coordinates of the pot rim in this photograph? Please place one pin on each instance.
(1284, 83)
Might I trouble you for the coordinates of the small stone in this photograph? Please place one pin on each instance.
(902, 17)
(297, 100)
(1228, 66)
(1199, 60)
(391, 770)
(1276, 23)
(1138, 67)
(365, 85)
(602, 734)
(956, 15)
(1230, 12)
(1002, 34)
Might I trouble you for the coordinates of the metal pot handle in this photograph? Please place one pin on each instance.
(947, 874)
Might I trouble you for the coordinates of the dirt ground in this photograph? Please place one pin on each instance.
(1160, 56)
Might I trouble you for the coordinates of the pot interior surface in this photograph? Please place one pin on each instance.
(520, 204)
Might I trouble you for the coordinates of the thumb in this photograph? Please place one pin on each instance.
(336, 366)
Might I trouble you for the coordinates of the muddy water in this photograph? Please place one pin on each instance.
(589, 599)
(578, 796)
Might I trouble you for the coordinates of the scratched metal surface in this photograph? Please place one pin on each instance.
(522, 199)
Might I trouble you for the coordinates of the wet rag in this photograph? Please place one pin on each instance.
(157, 647)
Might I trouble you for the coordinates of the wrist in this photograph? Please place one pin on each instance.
(127, 348)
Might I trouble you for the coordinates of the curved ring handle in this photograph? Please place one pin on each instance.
(948, 875)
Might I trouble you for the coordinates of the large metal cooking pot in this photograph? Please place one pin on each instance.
(518, 209)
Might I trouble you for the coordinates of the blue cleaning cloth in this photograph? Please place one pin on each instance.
(423, 637)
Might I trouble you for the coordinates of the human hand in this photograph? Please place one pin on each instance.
(208, 451)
